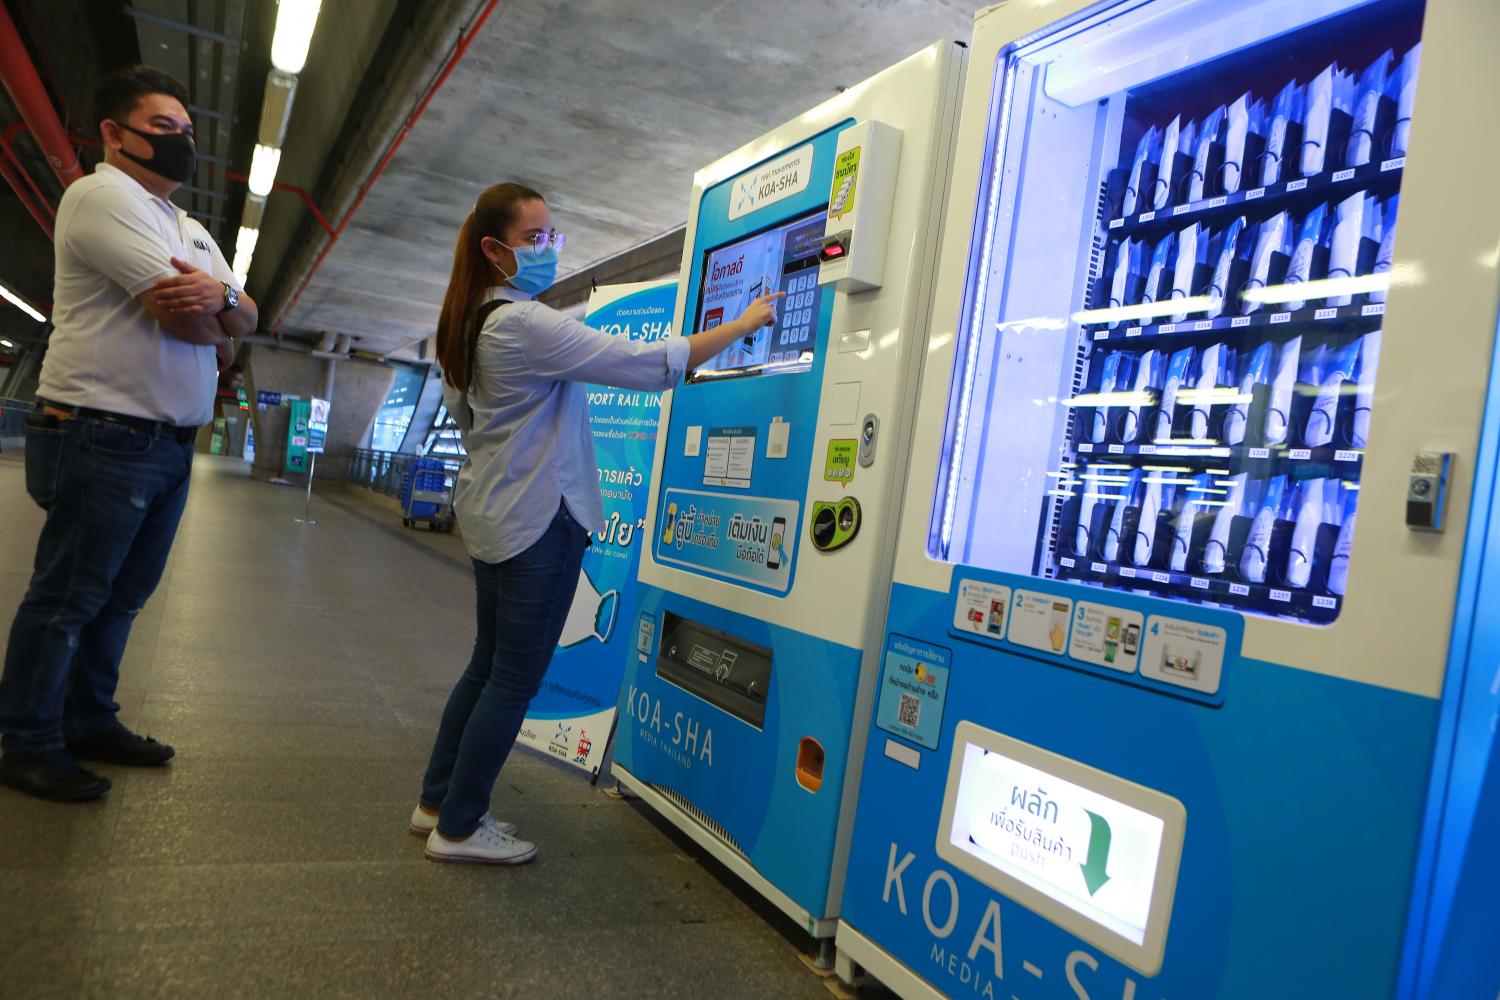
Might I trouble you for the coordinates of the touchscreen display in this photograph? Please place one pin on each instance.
(785, 259)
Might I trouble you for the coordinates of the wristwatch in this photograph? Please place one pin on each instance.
(231, 297)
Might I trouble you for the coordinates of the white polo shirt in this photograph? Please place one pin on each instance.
(114, 241)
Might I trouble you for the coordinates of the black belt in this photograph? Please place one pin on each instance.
(156, 428)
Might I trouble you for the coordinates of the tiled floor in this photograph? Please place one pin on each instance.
(299, 671)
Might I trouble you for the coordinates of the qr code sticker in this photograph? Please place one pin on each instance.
(910, 712)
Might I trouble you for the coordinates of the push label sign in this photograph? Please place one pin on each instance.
(839, 467)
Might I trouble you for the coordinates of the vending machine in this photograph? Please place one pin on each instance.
(1171, 699)
(778, 477)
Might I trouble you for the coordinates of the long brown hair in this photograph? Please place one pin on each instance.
(493, 215)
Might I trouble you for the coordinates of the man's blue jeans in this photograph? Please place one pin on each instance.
(113, 496)
(522, 606)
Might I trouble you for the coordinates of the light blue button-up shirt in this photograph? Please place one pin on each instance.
(525, 420)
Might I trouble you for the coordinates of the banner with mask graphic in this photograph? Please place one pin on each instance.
(571, 715)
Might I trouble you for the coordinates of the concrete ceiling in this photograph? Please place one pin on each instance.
(607, 109)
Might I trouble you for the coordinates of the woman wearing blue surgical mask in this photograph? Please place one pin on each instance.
(515, 375)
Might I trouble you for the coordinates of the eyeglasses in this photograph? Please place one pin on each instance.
(541, 241)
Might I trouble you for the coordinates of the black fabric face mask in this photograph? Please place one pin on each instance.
(173, 154)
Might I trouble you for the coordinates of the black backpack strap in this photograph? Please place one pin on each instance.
(483, 313)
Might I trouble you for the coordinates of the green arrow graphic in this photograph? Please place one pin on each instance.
(1093, 868)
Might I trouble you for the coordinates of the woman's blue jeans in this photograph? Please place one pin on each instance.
(522, 605)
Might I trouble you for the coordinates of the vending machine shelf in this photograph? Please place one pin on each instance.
(1304, 605)
(1383, 177)
(1360, 317)
(1305, 461)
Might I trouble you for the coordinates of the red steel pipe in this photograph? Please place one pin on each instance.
(462, 47)
(30, 96)
(307, 200)
(42, 218)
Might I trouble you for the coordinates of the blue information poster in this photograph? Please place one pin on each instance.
(572, 713)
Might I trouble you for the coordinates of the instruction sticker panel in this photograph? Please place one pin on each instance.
(913, 690)
(982, 609)
(1040, 621)
(1106, 636)
(730, 458)
(1186, 654)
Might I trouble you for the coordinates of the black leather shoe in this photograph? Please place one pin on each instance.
(55, 776)
(121, 746)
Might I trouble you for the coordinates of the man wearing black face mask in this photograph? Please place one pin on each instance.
(144, 309)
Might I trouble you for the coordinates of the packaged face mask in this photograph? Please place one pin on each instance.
(1309, 506)
(1210, 376)
(1372, 84)
(1257, 372)
(1145, 152)
(1336, 372)
(1090, 493)
(1208, 134)
(1108, 383)
(1160, 257)
(1191, 242)
(1315, 126)
(1387, 252)
(1286, 109)
(1177, 374)
(1127, 497)
(1270, 239)
(1188, 507)
(1343, 251)
(1145, 385)
(1216, 553)
(1237, 127)
(1145, 529)
(591, 615)
(1119, 283)
(1283, 384)
(1404, 85)
(1364, 395)
(1257, 554)
(1161, 192)
(1218, 286)
(1309, 238)
(1338, 569)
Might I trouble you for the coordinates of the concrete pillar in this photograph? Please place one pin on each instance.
(355, 388)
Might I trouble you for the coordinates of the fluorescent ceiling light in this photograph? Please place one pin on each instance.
(1111, 399)
(263, 169)
(1323, 288)
(245, 242)
(276, 107)
(242, 264)
(295, 20)
(1148, 310)
(6, 344)
(21, 304)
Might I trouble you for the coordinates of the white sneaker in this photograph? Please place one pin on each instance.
(488, 846)
(422, 823)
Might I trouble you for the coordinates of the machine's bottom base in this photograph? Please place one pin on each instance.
(856, 950)
(728, 856)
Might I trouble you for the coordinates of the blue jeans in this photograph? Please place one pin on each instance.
(522, 606)
(113, 496)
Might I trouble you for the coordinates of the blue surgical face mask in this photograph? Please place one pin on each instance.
(536, 270)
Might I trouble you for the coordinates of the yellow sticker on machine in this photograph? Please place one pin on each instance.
(845, 176)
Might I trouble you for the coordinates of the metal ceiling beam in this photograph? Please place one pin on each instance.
(187, 29)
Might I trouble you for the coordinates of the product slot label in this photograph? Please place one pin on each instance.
(1040, 621)
(1117, 223)
(1168, 328)
(1343, 175)
(1101, 334)
(1117, 449)
(1134, 331)
(1218, 202)
(1239, 590)
(1326, 314)
(1301, 454)
(1147, 449)
(1162, 577)
(1395, 164)
(1199, 583)
(1280, 318)
(1297, 185)
(1127, 571)
(1086, 446)
(1373, 309)
(1239, 321)
(1328, 603)
(1281, 596)
(1099, 568)
(1204, 324)
(1147, 216)
(1181, 209)
(1255, 193)
(1260, 452)
(1346, 456)
(1068, 561)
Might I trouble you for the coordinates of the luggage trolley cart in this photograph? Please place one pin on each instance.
(427, 495)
